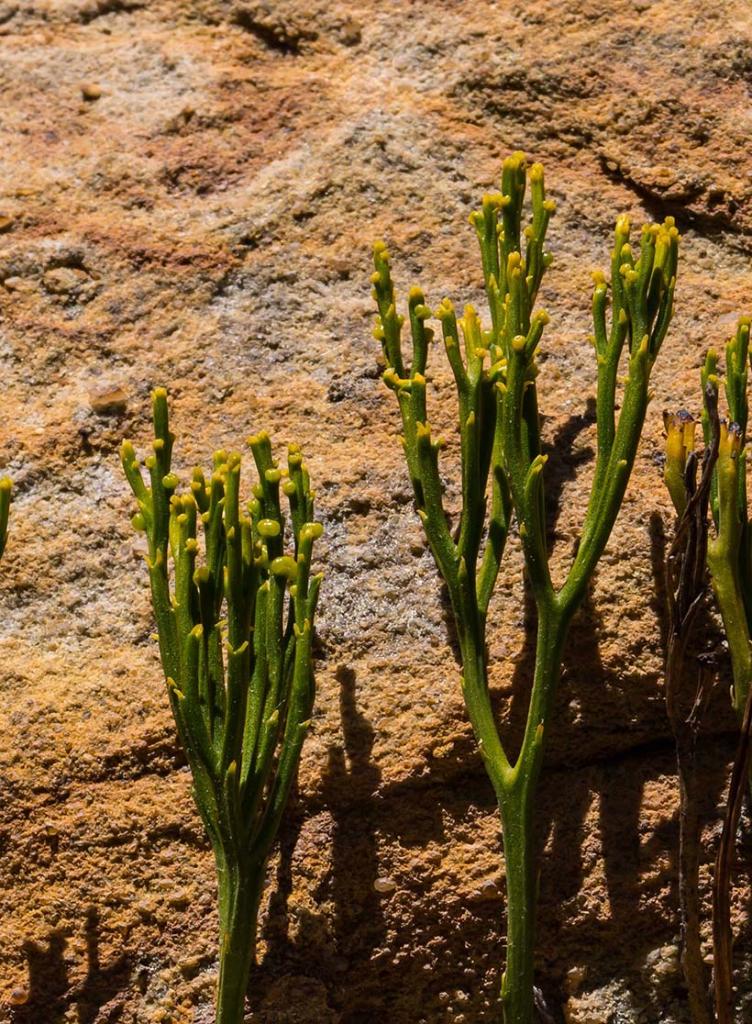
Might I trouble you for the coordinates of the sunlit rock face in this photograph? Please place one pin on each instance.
(188, 193)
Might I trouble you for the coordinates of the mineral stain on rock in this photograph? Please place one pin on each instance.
(219, 241)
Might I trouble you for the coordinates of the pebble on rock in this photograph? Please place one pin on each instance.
(112, 402)
(91, 92)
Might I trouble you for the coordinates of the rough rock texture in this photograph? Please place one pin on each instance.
(187, 195)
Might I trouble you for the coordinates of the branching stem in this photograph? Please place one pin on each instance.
(503, 470)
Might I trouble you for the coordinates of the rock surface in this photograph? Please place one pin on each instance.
(188, 191)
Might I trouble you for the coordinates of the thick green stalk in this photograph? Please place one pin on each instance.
(517, 823)
(239, 897)
(502, 473)
(235, 635)
(517, 808)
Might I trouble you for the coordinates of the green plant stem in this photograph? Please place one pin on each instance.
(731, 602)
(517, 807)
(515, 788)
(517, 822)
(240, 889)
(480, 712)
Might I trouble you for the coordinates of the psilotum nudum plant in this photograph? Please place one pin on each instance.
(503, 474)
(729, 561)
(729, 554)
(234, 601)
(730, 550)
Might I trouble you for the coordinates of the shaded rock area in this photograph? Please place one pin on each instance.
(188, 191)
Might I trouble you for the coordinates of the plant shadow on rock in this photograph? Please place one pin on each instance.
(358, 923)
(354, 959)
(101, 984)
(48, 980)
(50, 994)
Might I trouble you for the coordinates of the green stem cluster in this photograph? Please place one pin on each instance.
(729, 561)
(235, 631)
(495, 373)
(730, 550)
